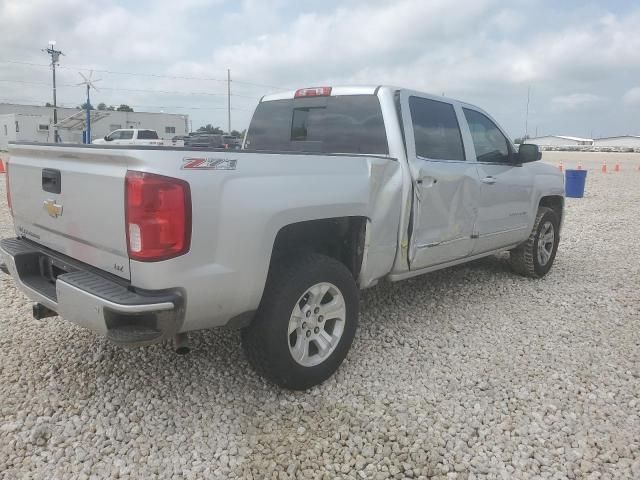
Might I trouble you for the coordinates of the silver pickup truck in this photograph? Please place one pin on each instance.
(335, 189)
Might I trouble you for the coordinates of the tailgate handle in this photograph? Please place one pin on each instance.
(51, 181)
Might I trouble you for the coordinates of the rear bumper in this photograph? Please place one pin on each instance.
(91, 299)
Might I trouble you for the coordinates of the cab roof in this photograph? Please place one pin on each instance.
(349, 90)
(335, 91)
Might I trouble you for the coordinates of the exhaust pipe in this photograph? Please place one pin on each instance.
(40, 312)
(181, 343)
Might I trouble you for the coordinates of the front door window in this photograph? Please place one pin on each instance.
(490, 144)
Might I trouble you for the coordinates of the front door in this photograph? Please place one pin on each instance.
(445, 185)
(506, 187)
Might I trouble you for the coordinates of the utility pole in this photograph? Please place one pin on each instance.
(229, 101)
(526, 120)
(55, 57)
(88, 133)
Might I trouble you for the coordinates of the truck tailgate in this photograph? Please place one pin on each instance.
(82, 216)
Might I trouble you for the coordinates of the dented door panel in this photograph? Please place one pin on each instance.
(444, 211)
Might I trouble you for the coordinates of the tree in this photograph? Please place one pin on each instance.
(124, 108)
(208, 128)
(48, 104)
(84, 106)
(102, 106)
(236, 133)
(111, 108)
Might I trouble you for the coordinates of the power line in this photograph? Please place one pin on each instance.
(154, 75)
(72, 106)
(141, 90)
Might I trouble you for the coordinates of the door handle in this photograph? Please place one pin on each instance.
(489, 180)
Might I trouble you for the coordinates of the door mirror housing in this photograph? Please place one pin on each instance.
(106, 138)
(528, 152)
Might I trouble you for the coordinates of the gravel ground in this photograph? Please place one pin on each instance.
(467, 373)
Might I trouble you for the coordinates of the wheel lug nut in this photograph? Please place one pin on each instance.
(308, 333)
(304, 324)
(316, 330)
(308, 313)
(320, 318)
(316, 310)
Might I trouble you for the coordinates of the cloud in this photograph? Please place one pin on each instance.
(632, 97)
(486, 52)
(577, 101)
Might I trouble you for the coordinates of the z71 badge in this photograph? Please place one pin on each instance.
(208, 164)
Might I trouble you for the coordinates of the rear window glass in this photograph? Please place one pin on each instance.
(436, 130)
(341, 124)
(147, 135)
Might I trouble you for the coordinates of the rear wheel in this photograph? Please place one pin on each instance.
(306, 322)
(535, 256)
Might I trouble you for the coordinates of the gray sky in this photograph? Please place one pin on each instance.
(581, 60)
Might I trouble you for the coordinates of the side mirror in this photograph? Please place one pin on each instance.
(528, 152)
(106, 138)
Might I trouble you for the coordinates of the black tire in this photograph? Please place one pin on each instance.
(265, 341)
(524, 258)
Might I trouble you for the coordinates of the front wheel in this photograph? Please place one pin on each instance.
(306, 321)
(535, 256)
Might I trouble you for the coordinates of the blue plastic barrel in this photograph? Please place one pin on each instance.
(574, 183)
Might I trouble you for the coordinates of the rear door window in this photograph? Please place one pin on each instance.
(490, 144)
(147, 135)
(340, 124)
(436, 129)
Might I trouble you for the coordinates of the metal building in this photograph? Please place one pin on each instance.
(35, 123)
(559, 141)
(628, 141)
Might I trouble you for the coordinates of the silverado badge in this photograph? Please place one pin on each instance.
(52, 208)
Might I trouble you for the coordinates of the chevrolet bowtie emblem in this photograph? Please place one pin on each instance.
(52, 208)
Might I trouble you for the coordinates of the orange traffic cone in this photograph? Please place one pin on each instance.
(617, 167)
(604, 166)
(579, 167)
(2, 170)
(561, 166)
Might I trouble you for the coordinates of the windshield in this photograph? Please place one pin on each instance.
(340, 124)
(204, 139)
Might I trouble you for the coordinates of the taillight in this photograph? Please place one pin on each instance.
(313, 92)
(157, 216)
(6, 179)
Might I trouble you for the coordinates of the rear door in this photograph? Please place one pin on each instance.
(71, 200)
(147, 137)
(506, 187)
(445, 183)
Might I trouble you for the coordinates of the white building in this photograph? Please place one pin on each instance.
(559, 141)
(35, 123)
(630, 141)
